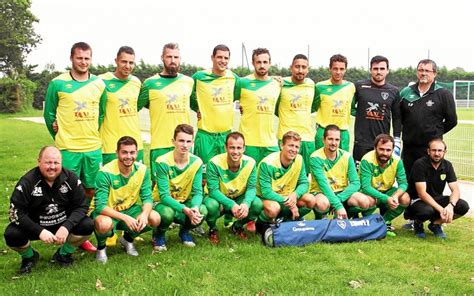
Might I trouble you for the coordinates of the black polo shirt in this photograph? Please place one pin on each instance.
(435, 179)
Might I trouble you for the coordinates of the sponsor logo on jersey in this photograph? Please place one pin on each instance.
(337, 108)
(51, 209)
(263, 105)
(63, 189)
(429, 103)
(220, 97)
(81, 111)
(37, 191)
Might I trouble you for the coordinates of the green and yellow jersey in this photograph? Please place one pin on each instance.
(79, 109)
(225, 185)
(275, 182)
(214, 97)
(121, 118)
(333, 103)
(258, 100)
(118, 192)
(174, 186)
(294, 108)
(168, 102)
(375, 180)
(337, 179)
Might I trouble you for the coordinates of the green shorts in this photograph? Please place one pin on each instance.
(259, 153)
(207, 145)
(306, 149)
(389, 193)
(133, 211)
(154, 154)
(108, 157)
(86, 165)
(344, 145)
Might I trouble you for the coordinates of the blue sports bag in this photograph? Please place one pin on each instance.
(299, 233)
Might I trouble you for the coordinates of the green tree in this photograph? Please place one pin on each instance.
(17, 35)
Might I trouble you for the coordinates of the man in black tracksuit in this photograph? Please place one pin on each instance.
(376, 104)
(48, 204)
(427, 110)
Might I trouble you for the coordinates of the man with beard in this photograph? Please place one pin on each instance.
(74, 110)
(119, 185)
(178, 191)
(376, 104)
(428, 111)
(427, 181)
(166, 95)
(333, 102)
(231, 181)
(121, 116)
(295, 105)
(214, 93)
(334, 178)
(48, 204)
(258, 96)
(379, 169)
(282, 185)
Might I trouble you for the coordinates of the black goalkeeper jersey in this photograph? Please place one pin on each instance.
(374, 107)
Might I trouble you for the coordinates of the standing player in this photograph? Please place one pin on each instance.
(333, 102)
(282, 185)
(295, 105)
(379, 169)
(167, 96)
(121, 116)
(428, 111)
(231, 181)
(334, 178)
(258, 96)
(213, 98)
(376, 104)
(178, 177)
(119, 185)
(74, 110)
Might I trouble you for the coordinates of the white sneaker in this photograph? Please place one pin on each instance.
(101, 255)
(129, 247)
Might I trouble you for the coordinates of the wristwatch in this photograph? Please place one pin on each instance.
(453, 204)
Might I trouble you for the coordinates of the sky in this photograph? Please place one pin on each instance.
(403, 31)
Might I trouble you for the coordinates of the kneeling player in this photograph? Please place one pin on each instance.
(231, 181)
(178, 189)
(378, 171)
(282, 185)
(334, 175)
(118, 186)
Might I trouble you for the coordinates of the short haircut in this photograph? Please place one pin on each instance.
(41, 152)
(126, 141)
(125, 49)
(384, 138)
(378, 59)
(171, 45)
(337, 58)
(300, 57)
(291, 135)
(259, 51)
(331, 127)
(183, 128)
(428, 61)
(220, 47)
(235, 136)
(82, 46)
(437, 140)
